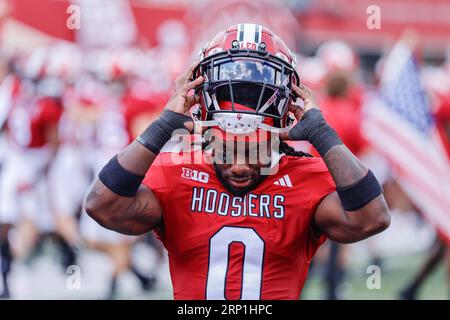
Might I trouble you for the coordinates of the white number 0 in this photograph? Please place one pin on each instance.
(218, 262)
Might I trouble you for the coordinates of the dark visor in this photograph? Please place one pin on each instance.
(249, 70)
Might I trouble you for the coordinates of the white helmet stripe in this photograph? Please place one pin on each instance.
(249, 32)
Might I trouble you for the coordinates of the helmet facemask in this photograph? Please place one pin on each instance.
(252, 82)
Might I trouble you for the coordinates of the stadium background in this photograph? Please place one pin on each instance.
(139, 46)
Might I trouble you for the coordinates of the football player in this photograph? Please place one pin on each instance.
(112, 128)
(32, 126)
(236, 228)
(340, 106)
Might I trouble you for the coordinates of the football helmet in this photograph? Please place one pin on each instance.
(337, 55)
(249, 72)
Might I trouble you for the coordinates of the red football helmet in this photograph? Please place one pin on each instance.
(248, 73)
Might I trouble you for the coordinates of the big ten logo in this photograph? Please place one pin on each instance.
(74, 19)
(374, 19)
(73, 282)
(195, 175)
(374, 280)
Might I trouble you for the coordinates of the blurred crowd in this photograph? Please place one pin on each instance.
(345, 86)
(64, 112)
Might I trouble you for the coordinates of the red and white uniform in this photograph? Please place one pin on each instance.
(9, 89)
(27, 157)
(140, 109)
(28, 121)
(345, 118)
(74, 155)
(223, 246)
(111, 137)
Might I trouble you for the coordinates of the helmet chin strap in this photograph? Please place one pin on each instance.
(274, 129)
(235, 125)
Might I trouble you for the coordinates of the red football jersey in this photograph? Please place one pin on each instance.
(222, 246)
(27, 124)
(140, 109)
(345, 118)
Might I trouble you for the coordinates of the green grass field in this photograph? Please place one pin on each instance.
(395, 274)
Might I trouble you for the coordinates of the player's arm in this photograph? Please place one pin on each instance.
(117, 199)
(358, 209)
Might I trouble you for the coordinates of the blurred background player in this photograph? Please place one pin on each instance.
(8, 90)
(121, 108)
(32, 133)
(336, 69)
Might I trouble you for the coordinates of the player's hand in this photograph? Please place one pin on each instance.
(182, 99)
(305, 94)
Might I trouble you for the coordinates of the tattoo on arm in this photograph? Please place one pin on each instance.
(143, 212)
(136, 210)
(344, 167)
(135, 218)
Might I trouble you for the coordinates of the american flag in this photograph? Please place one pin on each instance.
(399, 123)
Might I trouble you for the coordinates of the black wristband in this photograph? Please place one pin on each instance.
(316, 130)
(118, 180)
(359, 194)
(160, 131)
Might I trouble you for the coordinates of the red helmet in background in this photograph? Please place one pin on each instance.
(248, 73)
(337, 56)
(64, 61)
(313, 72)
(114, 63)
